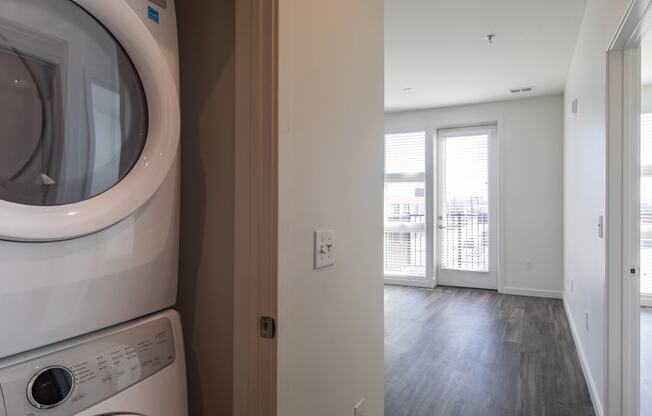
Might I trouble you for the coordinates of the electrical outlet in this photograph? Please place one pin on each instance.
(360, 409)
(324, 248)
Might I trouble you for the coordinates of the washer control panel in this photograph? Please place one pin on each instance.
(69, 381)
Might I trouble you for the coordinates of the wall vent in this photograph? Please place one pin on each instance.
(521, 90)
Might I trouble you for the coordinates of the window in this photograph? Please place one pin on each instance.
(464, 236)
(646, 204)
(405, 205)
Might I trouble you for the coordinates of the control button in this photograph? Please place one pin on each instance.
(50, 387)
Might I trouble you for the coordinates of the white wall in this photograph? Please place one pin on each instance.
(530, 133)
(584, 187)
(330, 339)
(646, 99)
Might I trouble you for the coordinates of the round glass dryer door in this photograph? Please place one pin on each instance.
(74, 117)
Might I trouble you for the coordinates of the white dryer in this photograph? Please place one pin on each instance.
(133, 369)
(89, 137)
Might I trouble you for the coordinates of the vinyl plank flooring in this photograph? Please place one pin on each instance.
(459, 352)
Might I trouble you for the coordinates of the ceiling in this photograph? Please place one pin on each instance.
(438, 49)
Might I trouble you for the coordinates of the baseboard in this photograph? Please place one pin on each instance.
(397, 281)
(646, 300)
(532, 292)
(588, 376)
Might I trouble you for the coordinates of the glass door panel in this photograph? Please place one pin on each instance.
(466, 216)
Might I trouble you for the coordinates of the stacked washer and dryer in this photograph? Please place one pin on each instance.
(89, 209)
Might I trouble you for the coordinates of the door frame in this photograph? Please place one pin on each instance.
(494, 200)
(622, 292)
(256, 207)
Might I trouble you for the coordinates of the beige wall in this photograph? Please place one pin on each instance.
(207, 38)
(330, 345)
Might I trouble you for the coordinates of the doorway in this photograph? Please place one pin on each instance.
(466, 214)
(630, 206)
(645, 157)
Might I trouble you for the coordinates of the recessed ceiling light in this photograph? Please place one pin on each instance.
(408, 89)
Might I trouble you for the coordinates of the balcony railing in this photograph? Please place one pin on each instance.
(465, 241)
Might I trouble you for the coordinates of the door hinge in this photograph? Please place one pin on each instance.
(267, 327)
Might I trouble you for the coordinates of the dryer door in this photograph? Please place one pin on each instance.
(89, 125)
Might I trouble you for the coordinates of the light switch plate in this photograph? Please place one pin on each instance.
(324, 248)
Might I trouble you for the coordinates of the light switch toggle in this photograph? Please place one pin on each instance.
(324, 248)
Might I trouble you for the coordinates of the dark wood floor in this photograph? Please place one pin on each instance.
(452, 352)
(646, 361)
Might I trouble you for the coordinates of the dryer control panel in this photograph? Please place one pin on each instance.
(71, 380)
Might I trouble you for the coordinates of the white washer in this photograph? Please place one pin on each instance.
(89, 192)
(133, 369)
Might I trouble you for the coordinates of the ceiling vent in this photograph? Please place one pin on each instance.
(521, 90)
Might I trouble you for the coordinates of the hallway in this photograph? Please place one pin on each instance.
(452, 351)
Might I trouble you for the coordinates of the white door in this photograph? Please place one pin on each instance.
(466, 222)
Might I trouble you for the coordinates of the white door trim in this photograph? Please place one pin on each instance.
(622, 293)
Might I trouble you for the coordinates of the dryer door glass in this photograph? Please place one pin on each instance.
(74, 114)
